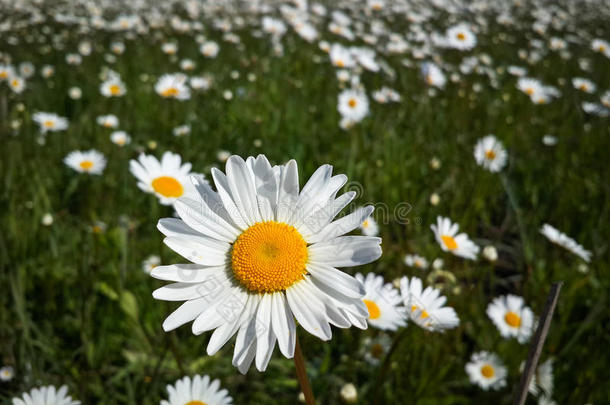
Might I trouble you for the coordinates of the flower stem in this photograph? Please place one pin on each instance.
(299, 363)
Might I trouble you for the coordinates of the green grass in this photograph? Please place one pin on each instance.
(77, 308)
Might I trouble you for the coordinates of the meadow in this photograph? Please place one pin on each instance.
(76, 248)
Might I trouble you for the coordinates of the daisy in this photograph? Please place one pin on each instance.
(274, 26)
(601, 46)
(50, 122)
(542, 380)
(150, 263)
(17, 84)
(199, 390)
(353, 104)
(91, 161)
(341, 57)
(169, 48)
(26, 70)
(265, 256)
(486, 370)
(7, 373)
(460, 37)
(383, 303)
(120, 138)
(490, 153)
(209, 49)
(200, 82)
(168, 179)
(173, 86)
(108, 121)
(6, 72)
(433, 75)
(425, 307)
(369, 227)
(582, 84)
(512, 317)
(529, 86)
(563, 240)
(48, 395)
(447, 236)
(182, 130)
(416, 261)
(113, 87)
(376, 348)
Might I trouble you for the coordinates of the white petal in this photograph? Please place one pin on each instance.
(308, 311)
(241, 183)
(346, 251)
(200, 250)
(283, 325)
(337, 280)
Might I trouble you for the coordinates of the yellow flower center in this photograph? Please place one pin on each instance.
(487, 371)
(115, 89)
(461, 36)
(352, 102)
(374, 311)
(170, 92)
(490, 154)
(602, 48)
(529, 91)
(423, 314)
(269, 256)
(86, 164)
(15, 83)
(195, 403)
(449, 242)
(584, 87)
(3, 74)
(340, 63)
(167, 186)
(512, 319)
(48, 124)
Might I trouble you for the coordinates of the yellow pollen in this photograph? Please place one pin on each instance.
(602, 48)
(115, 89)
(490, 154)
(170, 92)
(512, 319)
(487, 371)
(269, 256)
(15, 83)
(529, 91)
(352, 102)
(449, 242)
(167, 186)
(195, 403)
(429, 79)
(583, 87)
(461, 36)
(374, 311)
(86, 164)
(3, 74)
(340, 63)
(48, 124)
(423, 314)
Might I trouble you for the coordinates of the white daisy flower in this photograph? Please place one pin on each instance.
(108, 121)
(512, 317)
(369, 227)
(490, 154)
(113, 87)
(150, 263)
(563, 240)
(447, 236)
(169, 48)
(6, 72)
(353, 104)
(168, 179)
(460, 37)
(601, 46)
(433, 75)
(91, 161)
(50, 122)
(120, 138)
(199, 390)
(274, 26)
(200, 82)
(265, 254)
(416, 261)
(383, 302)
(486, 370)
(542, 380)
(173, 86)
(425, 307)
(17, 84)
(529, 86)
(209, 49)
(585, 85)
(7, 373)
(341, 57)
(375, 348)
(48, 395)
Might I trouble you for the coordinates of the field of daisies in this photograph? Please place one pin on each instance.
(210, 202)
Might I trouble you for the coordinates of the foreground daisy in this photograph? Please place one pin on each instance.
(91, 161)
(383, 302)
(563, 240)
(425, 307)
(353, 104)
(48, 395)
(490, 153)
(197, 391)
(447, 236)
(168, 179)
(265, 254)
(486, 370)
(512, 317)
(50, 122)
